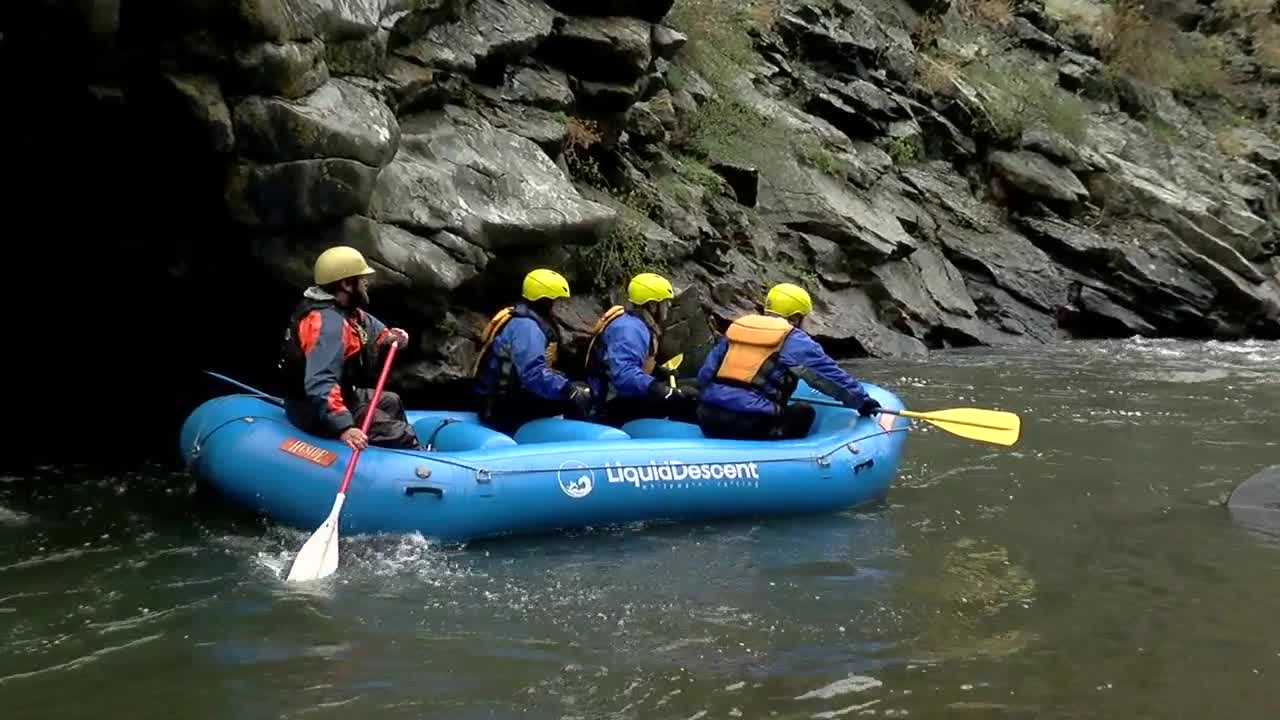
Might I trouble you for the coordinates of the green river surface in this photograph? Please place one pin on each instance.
(1089, 572)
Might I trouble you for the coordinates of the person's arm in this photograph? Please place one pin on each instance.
(321, 337)
(806, 358)
(627, 345)
(707, 373)
(528, 352)
(382, 334)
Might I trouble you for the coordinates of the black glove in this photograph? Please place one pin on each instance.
(580, 398)
(868, 406)
(663, 374)
(687, 393)
(660, 389)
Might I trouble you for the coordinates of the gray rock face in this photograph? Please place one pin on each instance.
(441, 262)
(1060, 150)
(364, 56)
(290, 69)
(549, 130)
(430, 134)
(455, 171)
(547, 88)
(651, 10)
(1034, 175)
(667, 41)
(492, 29)
(848, 35)
(1093, 313)
(614, 49)
(337, 120)
(1254, 147)
(422, 266)
(202, 97)
(847, 321)
(304, 192)
(303, 19)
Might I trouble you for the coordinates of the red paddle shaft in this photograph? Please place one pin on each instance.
(368, 416)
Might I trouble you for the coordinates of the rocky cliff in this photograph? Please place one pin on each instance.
(938, 173)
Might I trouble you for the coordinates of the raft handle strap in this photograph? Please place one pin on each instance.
(412, 490)
(430, 445)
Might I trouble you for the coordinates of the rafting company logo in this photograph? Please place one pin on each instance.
(576, 479)
(676, 471)
(307, 451)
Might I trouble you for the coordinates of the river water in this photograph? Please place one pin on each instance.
(1088, 572)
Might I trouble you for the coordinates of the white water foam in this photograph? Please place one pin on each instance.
(13, 517)
(843, 686)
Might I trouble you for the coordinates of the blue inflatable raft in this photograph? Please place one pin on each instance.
(553, 474)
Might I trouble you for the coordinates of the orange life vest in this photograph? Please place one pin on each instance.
(752, 355)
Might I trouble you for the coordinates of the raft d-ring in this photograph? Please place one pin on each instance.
(824, 461)
(853, 448)
(422, 471)
(483, 476)
(248, 420)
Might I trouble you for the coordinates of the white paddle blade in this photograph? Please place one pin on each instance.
(318, 557)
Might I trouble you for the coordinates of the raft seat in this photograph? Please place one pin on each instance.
(551, 430)
(459, 435)
(660, 428)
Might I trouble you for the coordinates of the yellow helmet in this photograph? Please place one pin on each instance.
(648, 287)
(340, 263)
(786, 300)
(543, 283)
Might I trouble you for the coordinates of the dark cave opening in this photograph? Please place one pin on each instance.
(129, 280)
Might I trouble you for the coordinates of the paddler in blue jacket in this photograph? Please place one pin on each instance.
(515, 377)
(621, 365)
(749, 376)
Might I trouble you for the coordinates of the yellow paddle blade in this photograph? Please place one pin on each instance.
(993, 426)
(674, 362)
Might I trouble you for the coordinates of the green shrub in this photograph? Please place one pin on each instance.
(621, 254)
(1014, 97)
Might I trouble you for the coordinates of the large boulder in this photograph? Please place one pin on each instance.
(1253, 146)
(614, 49)
(302, 19)
(907, 299)
(338, 119)
(200, 97)
(455, 171)
(424, 265)
(540, 86)
(651, 10)
(848, 36)
(303, 192)
(290, 69)
(1137, 265)
(504, 30)
(1034, 175)
(847, 323)
(974, 238)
